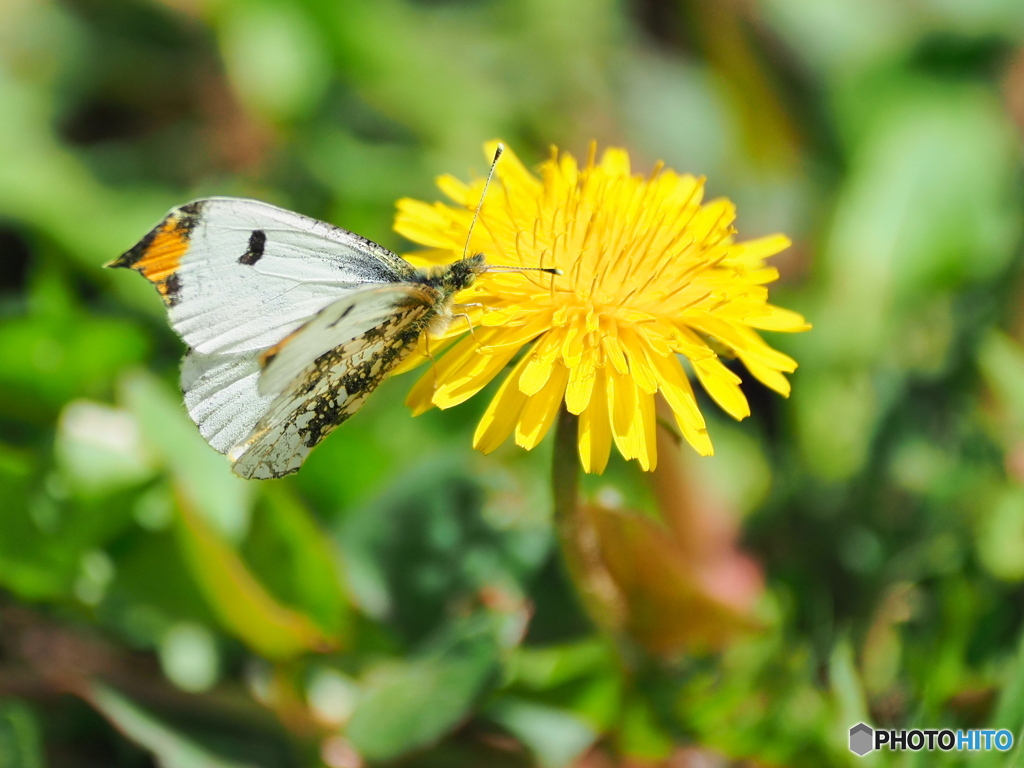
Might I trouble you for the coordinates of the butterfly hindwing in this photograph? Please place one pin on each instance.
(239, 275)
(362, 309)
(327, 392)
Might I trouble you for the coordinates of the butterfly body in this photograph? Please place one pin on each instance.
(291, 322)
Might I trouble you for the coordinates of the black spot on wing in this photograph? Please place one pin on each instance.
(257, 243)
(171, 289)
(189, 216)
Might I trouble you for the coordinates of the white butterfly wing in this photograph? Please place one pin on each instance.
(329, 388)
(222, 396)
(239, 275)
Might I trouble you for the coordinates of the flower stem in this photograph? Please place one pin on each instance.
(565, 481)
(579, 540)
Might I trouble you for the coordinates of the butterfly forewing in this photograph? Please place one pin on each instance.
(291, 322)
(239, 275)
(222, 396)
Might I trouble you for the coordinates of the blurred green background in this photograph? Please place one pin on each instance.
(402, 600)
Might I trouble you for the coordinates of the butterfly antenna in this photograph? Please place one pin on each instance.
(483, 194)
(476, 215)
(500, 268)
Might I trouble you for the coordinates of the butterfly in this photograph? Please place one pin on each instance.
(291, 322)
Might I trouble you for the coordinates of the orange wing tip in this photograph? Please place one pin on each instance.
(157, 256)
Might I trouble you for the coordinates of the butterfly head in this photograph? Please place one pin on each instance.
(461, 275)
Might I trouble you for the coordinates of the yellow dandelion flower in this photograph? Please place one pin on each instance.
(649, 272)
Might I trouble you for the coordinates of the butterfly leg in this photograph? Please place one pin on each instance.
(469, 322)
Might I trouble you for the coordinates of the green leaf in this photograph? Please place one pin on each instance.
(1000, 534)
(20, 744)
(275, 57)
(583, 678)
(153, 588)
(171, 749)
(640, 734)
(32, 565)
(197, 470)
(409, 705)
(847, 688)
(922, 210)
(433, 540)
(1009, 714)
(45, 536)
(291, 555)
(556, 737)
(241, 603)
(47, 360)
(214, 509)
(1001, 360)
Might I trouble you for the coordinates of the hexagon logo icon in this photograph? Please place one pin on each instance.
(861, 739)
